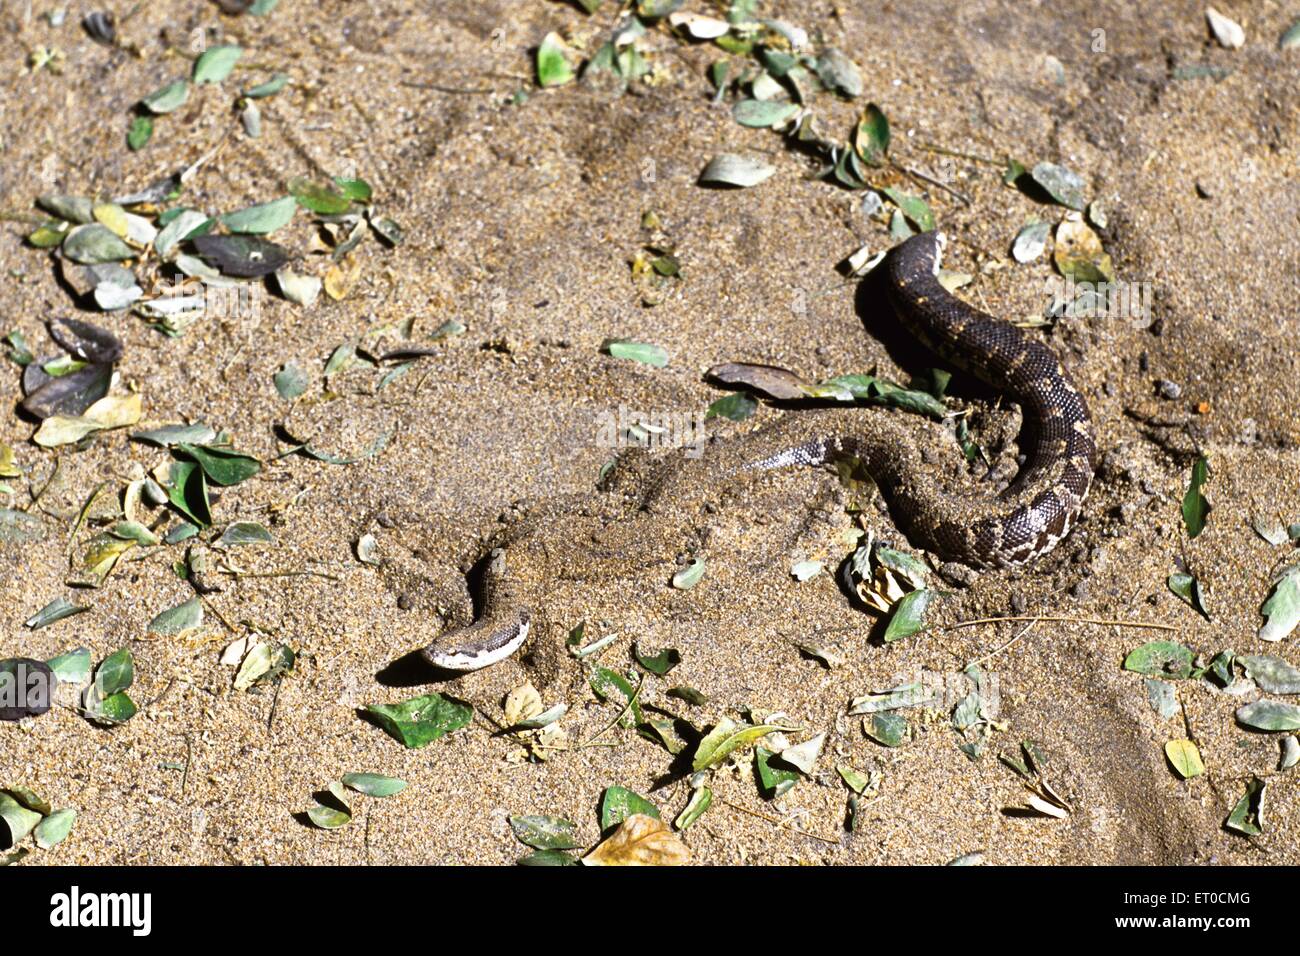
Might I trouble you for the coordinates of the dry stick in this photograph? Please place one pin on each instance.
(780, 823)
(915, 174)
(631, 702)
(992, 654)
(462, 91)
(974, 157)
(1066, 620)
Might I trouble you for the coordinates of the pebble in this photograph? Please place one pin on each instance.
(957, 574)
(1080, 591)
(1168, 389)
(1018, 603)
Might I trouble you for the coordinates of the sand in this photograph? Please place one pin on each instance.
(520, 220)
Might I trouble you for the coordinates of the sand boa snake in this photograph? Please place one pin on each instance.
(979, 528)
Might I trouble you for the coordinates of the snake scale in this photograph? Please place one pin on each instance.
(982, 529)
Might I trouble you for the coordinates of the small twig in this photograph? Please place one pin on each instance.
(974, 157)
(992, 654)
(217, 611)
(1066, 620)
(631, 702)
(278, 574)
(916, 174)
(275, 700)
(457, 90)
(185, 774)
(780, 823)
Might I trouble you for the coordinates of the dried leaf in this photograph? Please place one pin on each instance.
(640, 840)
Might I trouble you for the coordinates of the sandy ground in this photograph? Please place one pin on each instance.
(520, 221)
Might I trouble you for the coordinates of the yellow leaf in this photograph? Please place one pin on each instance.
(112, 411)
(522, 703)
(100, 557)
(339, 283)
(640, 840)
(113, 216)
(1184, 758)
(8, 467)
(115, 411)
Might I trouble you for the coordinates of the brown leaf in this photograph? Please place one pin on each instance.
(640, 840)
(771, 380)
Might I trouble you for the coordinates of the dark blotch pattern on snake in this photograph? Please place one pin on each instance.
(978, 528)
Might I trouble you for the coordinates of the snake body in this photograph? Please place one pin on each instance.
(1030, 517)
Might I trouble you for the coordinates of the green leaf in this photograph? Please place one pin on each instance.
(730, 169)
(265, 661)
(272, 86)
(323, 200)
(1282, 609)
(1063, 185)
(1272, 674)
(1290, 38)
(167, 99)
(688, 695)
(1247, 816)
(215, 63)
(909, 615)
(1188, 588)
(224, 466)
(94, 244)
(701, 800)
(916, 209)
(553, 68)
(17, 818)
(619, 803)
(329, 818)
(1269, 715)
(761, 114)
(188, 492)
(1162, 697)
(736, 407)
(243, 533)
(728, 736)
(56, 610)
(609, 684)
(115, 673)
(72, 667)
(422, 720)
(137, 136)
(1195, 508)
(54, 829)
(888, 729)
(1184, 758)
(291, 381)
(262, 218)
(689, 576)
(636, 352)
(178, 620)
(857, 782)
(548, 858)
(373, 784)
(661, 663)
(109, 711)
(1161, 659)
(545, 833)
(871, 136)
(773, 781)
(357, 190)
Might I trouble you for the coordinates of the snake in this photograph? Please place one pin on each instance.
(980, 528)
